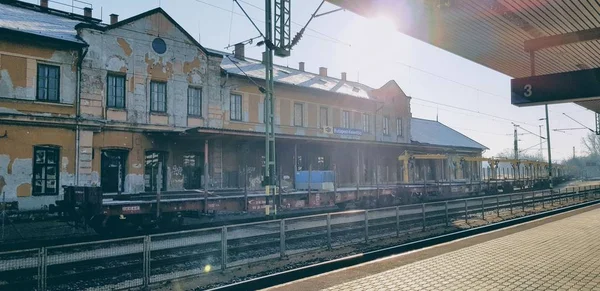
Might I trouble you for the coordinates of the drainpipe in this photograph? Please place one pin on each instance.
(82, 53)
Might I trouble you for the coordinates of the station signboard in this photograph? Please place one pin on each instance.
(556, 88)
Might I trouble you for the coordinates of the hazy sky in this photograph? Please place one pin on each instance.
(367, 50)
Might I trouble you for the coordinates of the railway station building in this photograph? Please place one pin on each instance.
(138, 105)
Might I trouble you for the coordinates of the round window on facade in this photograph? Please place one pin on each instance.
(159, 45)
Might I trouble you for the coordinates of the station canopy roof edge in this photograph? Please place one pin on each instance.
(500, 34)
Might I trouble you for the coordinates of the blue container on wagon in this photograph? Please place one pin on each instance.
(319, 180)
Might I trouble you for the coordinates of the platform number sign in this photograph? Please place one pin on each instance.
(527, 90)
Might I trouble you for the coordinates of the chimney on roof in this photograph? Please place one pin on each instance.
(44, 3)
(301, 66)
(239, 51)
(87, 12)
(343, 76)
(114, 18)
(323, 71)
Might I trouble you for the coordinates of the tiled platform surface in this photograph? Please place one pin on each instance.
(556, 253)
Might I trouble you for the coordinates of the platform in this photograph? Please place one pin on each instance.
(561, 252)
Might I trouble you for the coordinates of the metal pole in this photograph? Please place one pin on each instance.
(282, 238)
(497, 206)
(377, 185)
(523, 202)
(223, 247)
(423, 212)
(334, 180)
(246, 182)
(309, 180)
(42, 268)
(466, 213)
(483, 208)
(206, 176)
(3, 212)
(366, 226)
(296, 164)
(549, 148)
(446, 211)
(397, 221)
(146, 262)
(510, 203)
(159, 182)
(329, 231)
(269, 104)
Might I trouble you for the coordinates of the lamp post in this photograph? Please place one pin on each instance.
(549, 151)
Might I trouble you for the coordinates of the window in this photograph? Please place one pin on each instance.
(45, 170)
(195, 101)
(324, 116)
(112, 171)
(48, 81)
(192, 171)
(366, 122)
(298, 114)
(399, 126)
(155, 171)
(346, 119)
(235, 107)
(159, 46)
(115, 91)
(158, 96)
(386, 125)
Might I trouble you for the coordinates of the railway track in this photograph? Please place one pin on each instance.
(37, 243)
(122, 263)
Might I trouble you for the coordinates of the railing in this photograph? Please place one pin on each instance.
(145, 260)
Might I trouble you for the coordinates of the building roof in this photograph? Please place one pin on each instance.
(284, 75)
(49, 23)
(424, 131)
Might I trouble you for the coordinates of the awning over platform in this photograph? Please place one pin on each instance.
(500, 34)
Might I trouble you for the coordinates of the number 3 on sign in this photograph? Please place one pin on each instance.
(528, 91)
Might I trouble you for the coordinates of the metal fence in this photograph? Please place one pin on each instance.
(141, 261)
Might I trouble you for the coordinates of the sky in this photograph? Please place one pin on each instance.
(468, 97)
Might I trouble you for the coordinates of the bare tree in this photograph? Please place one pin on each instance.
(510, 154)
(591, 144)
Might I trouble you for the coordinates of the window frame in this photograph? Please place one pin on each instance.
(47, 88)
(366, 119)
(199, 108)
(45, 165)
(158, 83)
(301, 106)
(233, 114)
(346, 119)
(399, 130)
(386, 125)
(321, 116)
(124, 90)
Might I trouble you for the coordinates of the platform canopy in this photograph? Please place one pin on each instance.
(563, 35)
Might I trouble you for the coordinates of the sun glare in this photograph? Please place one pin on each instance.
(381, 24)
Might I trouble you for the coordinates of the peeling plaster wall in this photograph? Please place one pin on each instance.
(16, 166)
(18, 71)
(396, 105)
(128, 50)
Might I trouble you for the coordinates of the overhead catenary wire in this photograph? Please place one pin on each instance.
(578, 122)
(328, 39)
(473, 111)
